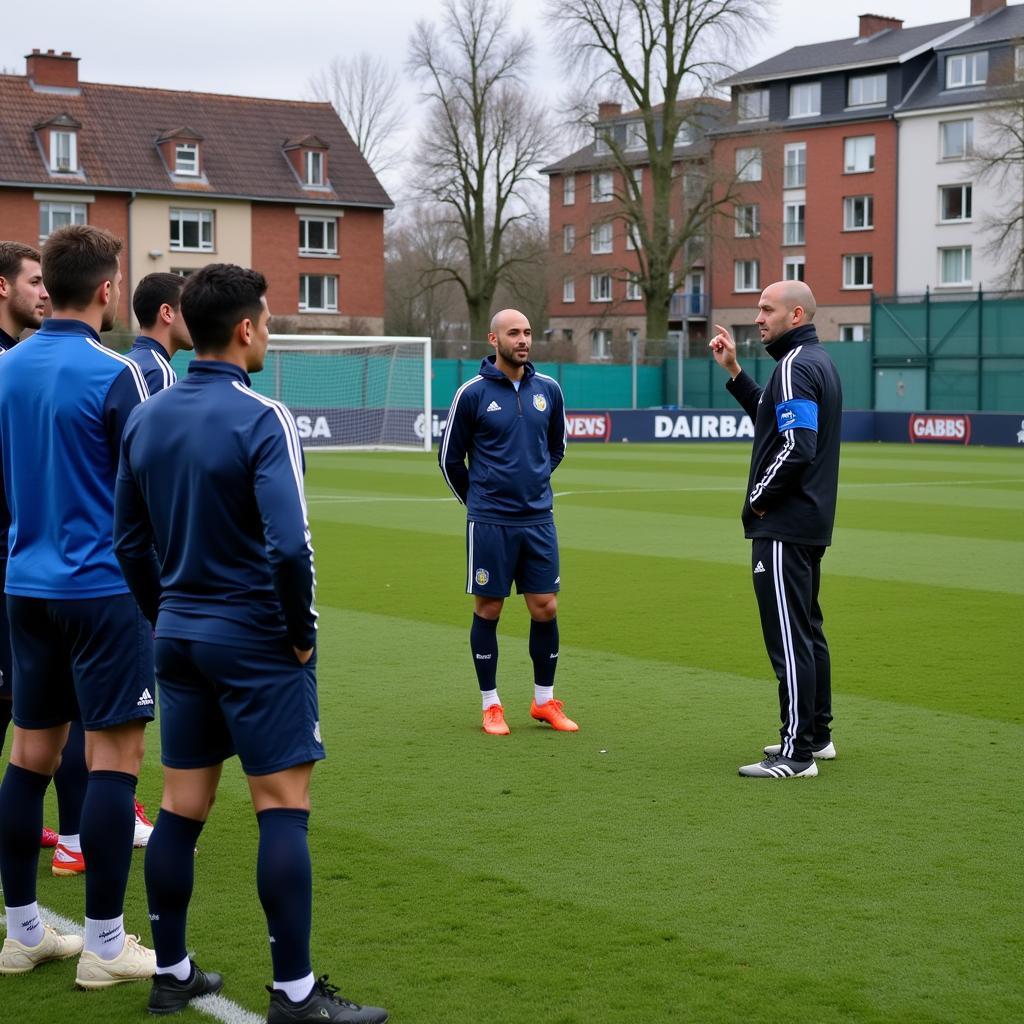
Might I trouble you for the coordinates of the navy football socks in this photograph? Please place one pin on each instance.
(483, 642)
(21, 822)
(170, 872)
(70, 781)
(544, 651)
(284, 881)
(108, 831)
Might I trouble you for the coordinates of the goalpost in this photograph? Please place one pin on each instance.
(350, 392)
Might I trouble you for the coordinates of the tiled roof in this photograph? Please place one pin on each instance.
(241, 148)
(883, 47)
(999, 27)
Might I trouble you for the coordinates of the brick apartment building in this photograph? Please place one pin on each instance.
(192, 178)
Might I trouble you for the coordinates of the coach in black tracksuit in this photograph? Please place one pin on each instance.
(788, 515)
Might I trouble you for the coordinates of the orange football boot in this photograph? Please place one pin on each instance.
(551, 712)
(494, 721)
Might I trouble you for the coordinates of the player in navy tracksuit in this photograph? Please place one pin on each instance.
(212, 533)
(80, 645)
(157, 306)
(509, 422)
(789, 514)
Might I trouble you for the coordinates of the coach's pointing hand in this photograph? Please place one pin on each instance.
(303, 656)
(723, 348)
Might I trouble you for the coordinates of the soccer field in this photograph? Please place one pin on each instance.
(625, 873)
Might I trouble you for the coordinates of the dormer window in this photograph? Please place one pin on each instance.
(63, 151)
(601, 137)
(966, 69)
(186, 158)
(314, 168)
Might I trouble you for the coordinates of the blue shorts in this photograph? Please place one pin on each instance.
(497, 555)
(89, 658)
(215, 701)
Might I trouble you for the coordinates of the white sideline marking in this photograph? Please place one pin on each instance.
(218, 1007)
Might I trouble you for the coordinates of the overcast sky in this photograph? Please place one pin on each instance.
(270, 48)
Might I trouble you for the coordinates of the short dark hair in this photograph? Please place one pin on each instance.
(152, 292)
(12, 255)
(77, 259)
(218, 297)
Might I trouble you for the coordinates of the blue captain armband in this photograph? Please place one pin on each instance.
(797, 413)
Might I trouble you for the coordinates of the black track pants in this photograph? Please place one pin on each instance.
(786, 581)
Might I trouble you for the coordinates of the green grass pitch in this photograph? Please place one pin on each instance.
(625, 873)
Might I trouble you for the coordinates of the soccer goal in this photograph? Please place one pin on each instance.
(349, 392)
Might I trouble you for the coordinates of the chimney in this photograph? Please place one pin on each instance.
(606, 110)
(979, 8)
(872, 24)
(52, 69)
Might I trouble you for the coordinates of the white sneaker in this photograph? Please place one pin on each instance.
(143, 826)
(825, 753)
(134, 963)
(18, 959)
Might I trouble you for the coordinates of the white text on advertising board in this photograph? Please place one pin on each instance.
(724, 425)
(951, 429)
(593, 426)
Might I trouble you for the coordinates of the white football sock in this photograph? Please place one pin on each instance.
(542, 694)
(181, 971)
(23, 924)
(490, 698)
(71, 843)
(105, 938)
(296, 991)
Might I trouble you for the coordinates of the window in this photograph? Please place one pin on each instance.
(601, 138)
(854, 332)
(318, 293)
(57, 215)
(748, 221)
(956, 139)
(795, 165)
(858, 213)
(568, 238)
(186, 158)
(685, 135)
(638, 179)
(192, 230)
(633, 292)
(747, 275)
(600, 287)
(955, 266)
(601, 187)
(568, 289)
(748, 164)
(955, 202)
(314, 167)
(631, 238)
(318, 236)
(858, 271)
(966, 69)
(567, 333)
(793, 228)
(752, 105)
(805, 99)
(601, 344)
(635, 138)
(793, 268)
(569, 190)
(859, 154)
(63, 152)
(601, 240)
(1018, 63)
(866, 90)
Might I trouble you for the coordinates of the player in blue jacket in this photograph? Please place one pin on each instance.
(80, 645)
(212, 533)
(157, 307)
(508, 422)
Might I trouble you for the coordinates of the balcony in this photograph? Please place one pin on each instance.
(688, 305)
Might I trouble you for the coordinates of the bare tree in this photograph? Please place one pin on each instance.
(658, 56)
(364, 92)
(999, 162)
(483, 139)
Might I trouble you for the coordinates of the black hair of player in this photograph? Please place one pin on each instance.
(77, 259)
(217, 298)
(152, 292)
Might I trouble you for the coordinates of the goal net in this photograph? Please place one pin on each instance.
(352, 392)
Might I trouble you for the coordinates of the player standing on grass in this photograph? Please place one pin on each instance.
(509, 422)
(157, 306)
(80, 645)
(789, 514)
(212, 533)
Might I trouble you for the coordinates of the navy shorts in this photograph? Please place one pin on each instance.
(498, 555)
(6, 692)
(216, 701)
(89, 658)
